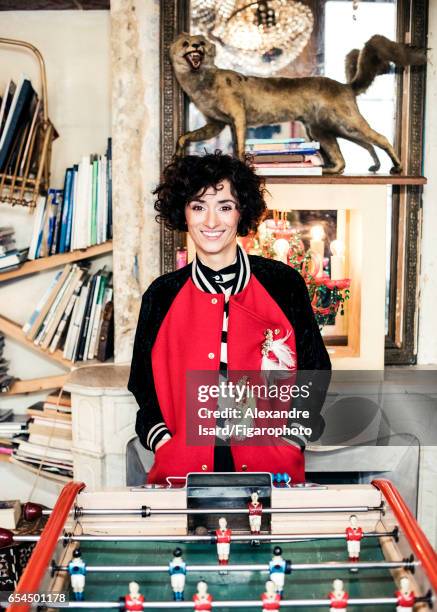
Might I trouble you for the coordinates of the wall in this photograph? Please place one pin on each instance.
(427, 345)
(76, 49)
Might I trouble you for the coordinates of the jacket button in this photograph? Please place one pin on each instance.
(211, 355)
(244, 467)
(204, 467)
(277, 331)
(214, 301)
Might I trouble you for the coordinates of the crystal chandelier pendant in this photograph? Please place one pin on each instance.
(254, 37)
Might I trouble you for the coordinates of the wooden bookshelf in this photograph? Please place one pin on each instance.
(14, 331)
(350, 179)
(46, 263)
(32, 385)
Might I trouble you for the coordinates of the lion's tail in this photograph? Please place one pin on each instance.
(375, 57)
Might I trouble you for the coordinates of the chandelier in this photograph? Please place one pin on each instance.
(255, 37)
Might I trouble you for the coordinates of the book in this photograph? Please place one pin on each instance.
(10, 259)
(59, 398)
(97, 320)
(109, 188)
(96, 293)
(86, 320)
(66, 316)
(6, 103)
(94, 198)
(273, 141)
(72, 339)
(273, 159)
(25, 160)
(55, 244)
(19, 107)
(71, 208)
(33, 467)
(287, 151)
(36, 230)
(66, 204)
(44, 451)
(106, 337)
(10, 512)
(310, 171)
(54, 305)
(38, 410)
(32, 327)
(57, 315)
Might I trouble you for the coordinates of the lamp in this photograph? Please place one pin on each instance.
(256, 37)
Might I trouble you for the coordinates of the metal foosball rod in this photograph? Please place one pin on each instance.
(146, 511)
(285, 603)
(7, 537)
(247, 567)
(33, 511)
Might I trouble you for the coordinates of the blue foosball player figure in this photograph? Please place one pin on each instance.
(177, 568)
(77, 570)
(277, 568)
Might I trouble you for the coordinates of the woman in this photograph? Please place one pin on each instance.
(219, 314)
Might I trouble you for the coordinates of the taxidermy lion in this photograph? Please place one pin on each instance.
(327, 108)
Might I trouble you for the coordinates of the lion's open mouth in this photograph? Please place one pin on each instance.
(194, 59)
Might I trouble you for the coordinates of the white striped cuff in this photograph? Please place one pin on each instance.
(156, 433)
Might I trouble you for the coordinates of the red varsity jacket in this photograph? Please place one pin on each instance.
(179, 331)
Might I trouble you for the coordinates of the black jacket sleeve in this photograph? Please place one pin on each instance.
(150, 425)
(314, 365)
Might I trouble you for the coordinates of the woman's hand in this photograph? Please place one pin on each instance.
(163, 440)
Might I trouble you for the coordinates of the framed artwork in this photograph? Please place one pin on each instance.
(393, 105)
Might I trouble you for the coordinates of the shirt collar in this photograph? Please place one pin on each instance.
(241, 266)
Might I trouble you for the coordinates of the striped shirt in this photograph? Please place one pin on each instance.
(229, 280)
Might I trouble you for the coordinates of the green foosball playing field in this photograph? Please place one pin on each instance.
(238, 585)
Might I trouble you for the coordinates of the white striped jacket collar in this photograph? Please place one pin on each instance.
(243, 274)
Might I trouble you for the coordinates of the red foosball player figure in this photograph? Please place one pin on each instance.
(354, 535)
(133, 601)
(223, 535)
(271, 600)
(255, 508)
(338, 596)
(406, 597)
(202, 599)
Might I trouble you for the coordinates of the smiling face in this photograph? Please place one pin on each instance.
(212, 218)
(189, 53)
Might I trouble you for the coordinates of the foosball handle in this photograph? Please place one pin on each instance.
(31, 511)
(6, 538)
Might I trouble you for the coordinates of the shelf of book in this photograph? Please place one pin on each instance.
(33, 385)
(13, 330)
(39, 472)
(46, 263)
(350, 179)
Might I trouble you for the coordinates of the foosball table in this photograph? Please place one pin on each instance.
(228, 541)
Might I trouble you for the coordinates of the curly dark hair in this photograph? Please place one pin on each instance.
(185, 177)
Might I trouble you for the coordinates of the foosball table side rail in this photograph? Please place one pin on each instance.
(411, 537)
(39, 562)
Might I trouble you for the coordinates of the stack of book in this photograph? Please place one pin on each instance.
(20, 117)
(80, 214)
(10, 257)
(75, 314)
(11, 425)
(6, 379)
(285, 156)
(46, 445)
